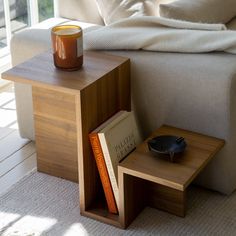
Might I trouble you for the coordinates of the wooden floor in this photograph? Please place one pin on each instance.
(17, 155)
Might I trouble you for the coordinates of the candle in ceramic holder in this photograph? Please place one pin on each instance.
(67, 44)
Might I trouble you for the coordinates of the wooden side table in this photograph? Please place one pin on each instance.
(67, 107)
(145, 180)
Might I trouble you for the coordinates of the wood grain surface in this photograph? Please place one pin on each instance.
(40, 71)
(199, 151)
(99, 102)
(56, 133)
(164, 183)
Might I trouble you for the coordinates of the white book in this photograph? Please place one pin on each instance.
(117, 140)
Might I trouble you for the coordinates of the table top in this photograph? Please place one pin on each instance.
(179, 174)
(40, 71)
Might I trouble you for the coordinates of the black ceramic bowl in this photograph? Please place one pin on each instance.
(167, 144)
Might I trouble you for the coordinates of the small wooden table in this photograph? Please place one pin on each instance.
(146, 180)
(67, 107)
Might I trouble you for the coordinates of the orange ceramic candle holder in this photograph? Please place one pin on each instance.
(67, 44)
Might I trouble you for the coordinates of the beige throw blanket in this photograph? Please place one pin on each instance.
(161, 34)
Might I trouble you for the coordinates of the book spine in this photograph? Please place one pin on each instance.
(110, 167)
(102, 169)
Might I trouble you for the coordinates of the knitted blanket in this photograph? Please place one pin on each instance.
(161, 34)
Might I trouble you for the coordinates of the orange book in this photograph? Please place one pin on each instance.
(102, 169)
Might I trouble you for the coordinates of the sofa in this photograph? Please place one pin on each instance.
(190, 91)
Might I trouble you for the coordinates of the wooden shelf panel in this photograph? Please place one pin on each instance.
(97, 103)
(103, 216)
(99, 211)
(179, 174)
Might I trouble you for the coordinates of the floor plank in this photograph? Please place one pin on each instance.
(4, 131)
(17, 155)
(6, 95)
(13, 176)
(16, 158)
(8, 120)
(11, 144)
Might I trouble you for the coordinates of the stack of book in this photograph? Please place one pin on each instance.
(112, 142)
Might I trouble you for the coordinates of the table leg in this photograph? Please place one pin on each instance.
(132, 193)
(166, 198)
(56, 133)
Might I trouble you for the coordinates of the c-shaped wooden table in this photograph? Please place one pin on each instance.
(69, 105)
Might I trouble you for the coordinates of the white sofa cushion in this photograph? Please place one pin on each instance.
(114, 10)
(206, 11)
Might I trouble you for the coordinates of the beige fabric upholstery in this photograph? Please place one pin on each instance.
(162, 35)
(206, 11)
(114, 10)
(81, 10)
